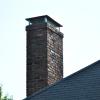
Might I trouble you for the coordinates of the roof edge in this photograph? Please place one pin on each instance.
(46, 88)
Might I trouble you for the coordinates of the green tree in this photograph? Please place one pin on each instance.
(4, 97)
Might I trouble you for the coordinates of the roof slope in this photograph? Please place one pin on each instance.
(82, 85)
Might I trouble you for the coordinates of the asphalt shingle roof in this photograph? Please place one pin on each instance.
(82, 85)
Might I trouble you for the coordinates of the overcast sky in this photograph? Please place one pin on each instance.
(81, 28)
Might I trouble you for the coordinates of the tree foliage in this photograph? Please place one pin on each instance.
(4, 97)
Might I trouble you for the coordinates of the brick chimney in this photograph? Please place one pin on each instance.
(44, 53)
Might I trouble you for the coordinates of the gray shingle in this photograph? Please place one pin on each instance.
(82, 85)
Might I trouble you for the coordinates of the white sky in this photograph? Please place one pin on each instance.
(81, 28)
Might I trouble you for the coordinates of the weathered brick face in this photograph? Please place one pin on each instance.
(44, 56)
(55, 56)
(36, 58)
